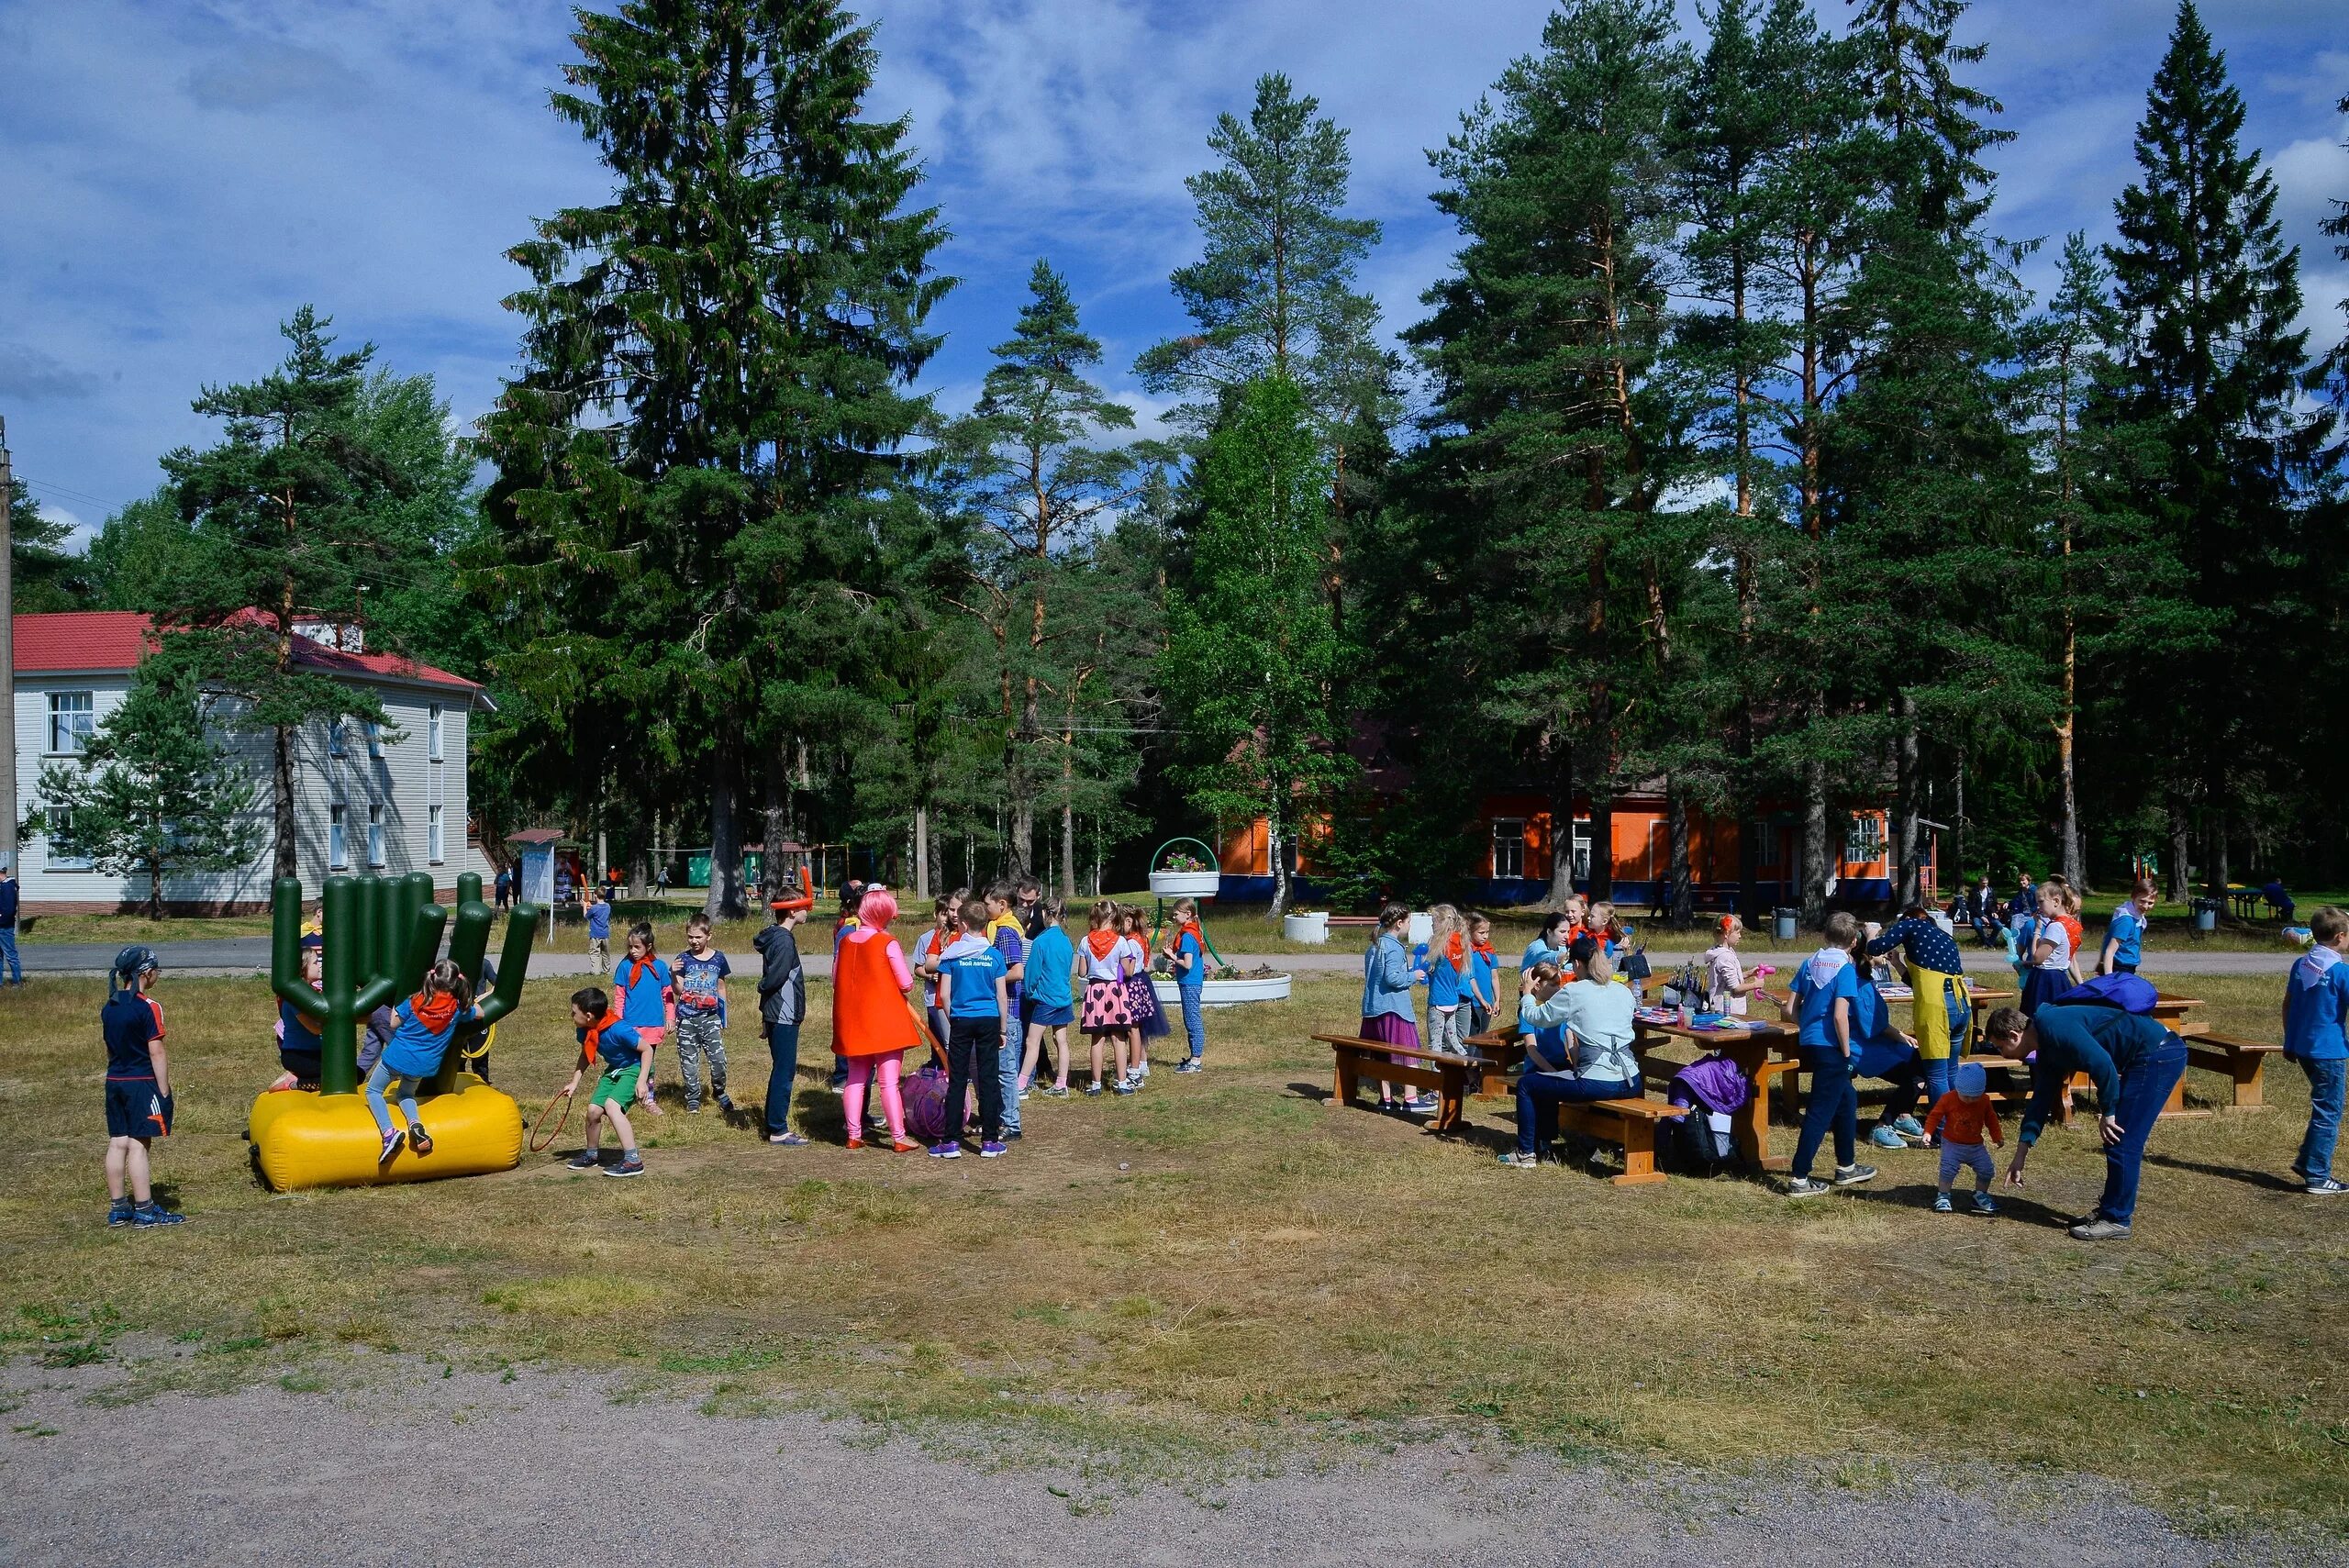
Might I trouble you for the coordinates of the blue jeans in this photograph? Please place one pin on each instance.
(2144, 1089)
(1539, 1096)
(1937, 1076)
(378, 1077)
(1194, 1026)
(1009, 1055)
(2326, 1081)
(8, 952)
(1834, 1103)
(783, 1044)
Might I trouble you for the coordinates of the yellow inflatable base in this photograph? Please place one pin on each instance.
(306, 1140)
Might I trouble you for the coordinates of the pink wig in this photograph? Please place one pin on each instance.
(879, 908)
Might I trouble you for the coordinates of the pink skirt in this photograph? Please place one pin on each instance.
(1108, 1006)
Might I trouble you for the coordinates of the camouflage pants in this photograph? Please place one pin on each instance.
(700, 1035)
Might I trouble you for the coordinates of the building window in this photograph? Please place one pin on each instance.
(1581, 858)
(432, 733)
(1863, 845)
(432, 835)
(63, 854)
(71, 720)
(374, 739)
(338, 842)
(1509, 849)
(337, 740)
(375, 836)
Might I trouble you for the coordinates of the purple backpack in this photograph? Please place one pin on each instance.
(925, 1097)
(2129, 993)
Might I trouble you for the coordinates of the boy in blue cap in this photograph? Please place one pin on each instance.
(1964, 1118)
(139, 1090)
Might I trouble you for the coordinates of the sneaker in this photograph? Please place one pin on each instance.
(2100, 1229)
(631, 1166)
(1807, 1186)
(946, 1150)
(1123, 1089)
(993, 1148)
(787, 1139)
(585, 1160)
(390, 1147)
(2324, 1186)
(1189, 1064)
(147, 1214)
(1023, 1096)
(1984, 1204)
(1888, 1137)
(118, 1212)
(693, 1107)
(1093, 1088)
(1011, 1135)
(1942, 1204)
(419, 1140)
(1516, 1160)
(1909, 1127)
(1057, 1092)
(1853, 1175)
(725, 1102)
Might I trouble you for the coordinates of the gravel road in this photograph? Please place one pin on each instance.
(409, 1468)
(249, 955)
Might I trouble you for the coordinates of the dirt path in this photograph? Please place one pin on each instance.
(407, 1467)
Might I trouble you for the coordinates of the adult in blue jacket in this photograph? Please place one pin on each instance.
(2133, 1062)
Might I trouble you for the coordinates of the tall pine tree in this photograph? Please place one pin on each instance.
(701, 460)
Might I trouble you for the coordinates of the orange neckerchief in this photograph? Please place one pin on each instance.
(1455, 948)
(1485, 950)
(1102, 942)
(636, 967)
(1191, 929)
(594, 1036)
(433, 1012)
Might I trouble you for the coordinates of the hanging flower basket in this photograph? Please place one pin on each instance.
(1177, 874)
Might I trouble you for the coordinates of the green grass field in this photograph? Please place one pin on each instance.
(1221, 1267)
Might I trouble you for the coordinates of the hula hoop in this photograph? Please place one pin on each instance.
(538, 1143)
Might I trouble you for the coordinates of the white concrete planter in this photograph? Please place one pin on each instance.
(1225, 993)
(1186, 884)
(1312, 928)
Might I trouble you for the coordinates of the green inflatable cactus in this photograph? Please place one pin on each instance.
(382, 934)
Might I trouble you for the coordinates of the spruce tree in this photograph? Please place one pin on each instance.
(702, 503)
(49, 577)
(286, 514)
(2208, 292)
(1042, 472)
(1252, 656)
(152, 794)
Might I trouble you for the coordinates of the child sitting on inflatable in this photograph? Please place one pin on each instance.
(299, 1052)
(427, 1022)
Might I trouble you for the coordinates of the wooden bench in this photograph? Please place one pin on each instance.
(1353, 922)
(2242, 1060)
(1630, 1123)
(1448, 1076)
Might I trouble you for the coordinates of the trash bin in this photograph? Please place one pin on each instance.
(1783, 924)
(2206, 914)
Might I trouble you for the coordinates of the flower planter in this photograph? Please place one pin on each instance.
(1309, 927)
(1227, 993)
(1186, 884)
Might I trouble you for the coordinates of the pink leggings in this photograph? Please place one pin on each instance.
(893, 1104)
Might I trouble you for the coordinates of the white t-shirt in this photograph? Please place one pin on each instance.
(1126, 958)
(1723, 971)
(2053, 931)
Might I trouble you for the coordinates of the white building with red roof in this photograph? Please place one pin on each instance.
(390, 800)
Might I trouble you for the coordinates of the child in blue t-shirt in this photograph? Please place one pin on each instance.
(139, 1090)
(599, 933)
(620, 1050)
(424, 1025)
(1010, 940)
(644, 993)
(2124, 938)
(700, 977)
(978, 997)
(1051, 999)
(1186, 954)
(2316, 1004)
(1446, 964)
(1483, 975)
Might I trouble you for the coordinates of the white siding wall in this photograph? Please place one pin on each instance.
(404, 781)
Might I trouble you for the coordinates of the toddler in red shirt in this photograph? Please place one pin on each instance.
(1963, 1117)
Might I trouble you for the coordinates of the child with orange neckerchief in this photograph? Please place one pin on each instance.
(1186, 954)
(1483, 975)
(603, 1036)
(426, 1023)
(644, 993)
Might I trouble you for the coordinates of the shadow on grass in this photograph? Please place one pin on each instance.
(2012, 1205)
(2250, 1178)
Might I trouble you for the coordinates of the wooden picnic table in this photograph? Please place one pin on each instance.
(1762, 1054)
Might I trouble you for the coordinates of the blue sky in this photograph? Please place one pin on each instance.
(177, 176)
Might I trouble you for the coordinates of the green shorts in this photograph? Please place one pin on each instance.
(617, 1088)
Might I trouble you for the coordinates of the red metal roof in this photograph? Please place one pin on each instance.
(89, 641)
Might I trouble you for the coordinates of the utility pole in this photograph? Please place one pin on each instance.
(7, 657)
